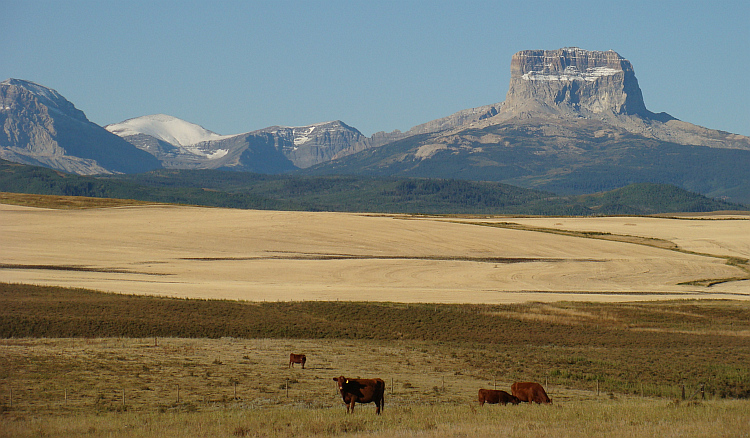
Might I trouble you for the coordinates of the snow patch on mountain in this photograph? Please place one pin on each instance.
(571, 73)
(166, 128)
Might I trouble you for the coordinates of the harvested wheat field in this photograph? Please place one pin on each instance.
(194, 252)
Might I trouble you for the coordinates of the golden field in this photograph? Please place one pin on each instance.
(181, 251)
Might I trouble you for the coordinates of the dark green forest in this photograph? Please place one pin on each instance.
(218, 188)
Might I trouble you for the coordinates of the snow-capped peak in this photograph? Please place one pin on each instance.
(166, 128)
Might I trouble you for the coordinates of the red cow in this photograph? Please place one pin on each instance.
(495, 396)
(530, 392)
(297, 358)
(361, 391)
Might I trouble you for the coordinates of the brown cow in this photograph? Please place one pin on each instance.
(530, 392)
(297, 358)
(361, 391)
(495, 396)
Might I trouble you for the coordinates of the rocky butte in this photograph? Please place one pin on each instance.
(572, 79)
(574, 121)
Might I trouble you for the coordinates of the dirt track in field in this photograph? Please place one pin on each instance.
(268, 255)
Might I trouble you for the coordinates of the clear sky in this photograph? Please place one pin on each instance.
(237, 66)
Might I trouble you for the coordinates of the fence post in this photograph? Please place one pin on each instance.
(66, 396)
(123, 396)
(393, 388)
(683, 391)
(178, 393)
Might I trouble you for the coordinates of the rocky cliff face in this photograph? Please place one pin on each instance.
(309, 145)
(561, 87)
(40, 127)
(572, 79)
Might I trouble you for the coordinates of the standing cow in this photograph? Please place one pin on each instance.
(495, 396)
(530, 392)
(297, 358)
(361, 391)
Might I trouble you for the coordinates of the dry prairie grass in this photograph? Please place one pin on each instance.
(65, 202)
(633, 418)
(432, 394)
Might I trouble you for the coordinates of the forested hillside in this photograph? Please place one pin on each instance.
(351, 193)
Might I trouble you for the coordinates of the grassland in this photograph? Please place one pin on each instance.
(637, 348)
(83, 363)
(65, 202)
(76, 362)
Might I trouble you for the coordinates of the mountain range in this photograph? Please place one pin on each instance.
(573, 121)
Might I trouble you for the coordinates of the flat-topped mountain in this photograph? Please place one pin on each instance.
(573, 122)
(572, 79)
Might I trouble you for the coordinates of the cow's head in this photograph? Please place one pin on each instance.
(341, 381)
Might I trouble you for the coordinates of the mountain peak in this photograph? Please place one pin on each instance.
(46, 96)
(38, 126)
(572, 79)
(166, 128)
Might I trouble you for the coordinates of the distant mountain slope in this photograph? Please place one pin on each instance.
(182, 145)
(38, 126)
(569, 157)
(356, 194)
(573, 122)
(165, 128)
(178, 144)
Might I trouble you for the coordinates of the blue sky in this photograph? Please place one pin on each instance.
(237, 66)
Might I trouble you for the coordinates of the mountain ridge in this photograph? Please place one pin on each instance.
(569, 114)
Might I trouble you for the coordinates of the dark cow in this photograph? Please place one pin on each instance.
(530, 392)
(297, 358)
(361, 391)
(495, 396)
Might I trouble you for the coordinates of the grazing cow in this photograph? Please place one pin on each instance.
(530, 392)
(297, 358)
(361, 391)
(495, 396)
